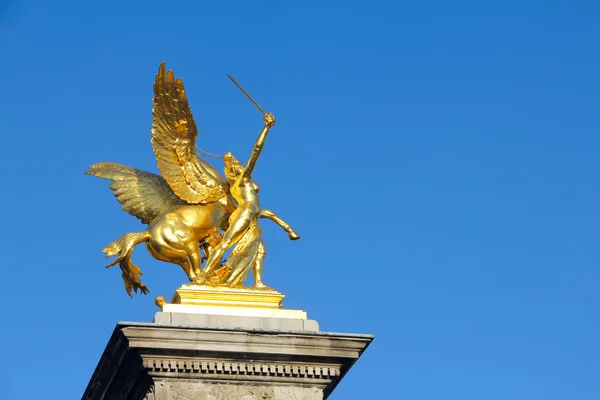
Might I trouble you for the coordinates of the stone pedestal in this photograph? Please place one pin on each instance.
(189, 356)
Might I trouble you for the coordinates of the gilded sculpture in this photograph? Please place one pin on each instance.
(193, 213)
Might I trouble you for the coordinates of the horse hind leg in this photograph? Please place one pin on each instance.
(191, 264)
(185, 254)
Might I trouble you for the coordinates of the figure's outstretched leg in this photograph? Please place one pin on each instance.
(258, 267)
(239, 222)
(213, 260)
(286, 227)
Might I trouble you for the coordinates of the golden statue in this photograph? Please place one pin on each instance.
(193, 214)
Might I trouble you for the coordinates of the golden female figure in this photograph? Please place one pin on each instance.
(243, 221)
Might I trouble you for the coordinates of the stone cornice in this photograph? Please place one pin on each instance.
(195, 340)
(228, 355)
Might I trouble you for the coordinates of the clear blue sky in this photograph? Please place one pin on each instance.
(439, 159)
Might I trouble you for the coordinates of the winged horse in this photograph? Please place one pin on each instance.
(190, 208)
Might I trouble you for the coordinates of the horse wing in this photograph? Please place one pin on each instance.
(142, 194)
(174, 134)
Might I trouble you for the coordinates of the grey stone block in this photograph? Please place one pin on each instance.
(169, 390)
(228, 321)
(162, 318)
(311, 325)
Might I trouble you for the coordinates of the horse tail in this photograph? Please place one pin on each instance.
(122, 248)
(124, 245)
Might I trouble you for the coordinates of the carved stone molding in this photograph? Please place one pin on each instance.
(218, 367)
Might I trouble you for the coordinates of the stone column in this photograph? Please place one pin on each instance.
(213, 357)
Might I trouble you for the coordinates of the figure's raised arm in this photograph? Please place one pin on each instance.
(259, 144)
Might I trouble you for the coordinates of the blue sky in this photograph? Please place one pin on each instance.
(439, 159)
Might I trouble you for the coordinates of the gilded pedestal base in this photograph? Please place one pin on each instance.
(245, 301)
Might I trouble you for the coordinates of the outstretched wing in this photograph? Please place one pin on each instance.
(174, 136)
(142, 194)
